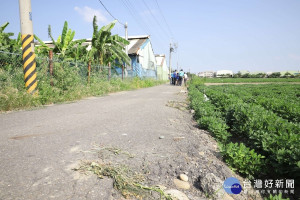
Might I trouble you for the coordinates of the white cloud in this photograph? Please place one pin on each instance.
(88, 14)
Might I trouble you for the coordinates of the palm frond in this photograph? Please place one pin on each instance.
(3, 26)
(109, 26)
(120, 39)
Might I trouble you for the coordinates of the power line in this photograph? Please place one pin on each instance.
(143, 23)
(155, 18)
(110, 12)
(164, 18)
(132, 10)
(136, 11)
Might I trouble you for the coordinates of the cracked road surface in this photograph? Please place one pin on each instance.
(39, 148)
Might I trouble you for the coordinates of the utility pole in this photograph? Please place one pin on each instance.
(29, 64)
(126, 36)
(126, 47)
(170, 56)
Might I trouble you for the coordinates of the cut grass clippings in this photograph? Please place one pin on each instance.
(178, 104)
(125, 181)
(114, 150)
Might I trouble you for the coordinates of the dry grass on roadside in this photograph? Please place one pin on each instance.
(127, 182)
(178, 104)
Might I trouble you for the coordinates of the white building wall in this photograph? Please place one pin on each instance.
(147, 57)
(222, 73)
(165, 66)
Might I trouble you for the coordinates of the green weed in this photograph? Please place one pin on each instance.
(276, 197)
(68, 84)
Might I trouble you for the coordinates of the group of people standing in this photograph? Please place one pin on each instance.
(177, 78)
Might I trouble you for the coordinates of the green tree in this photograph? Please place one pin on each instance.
(261, 75)
(275, 75)
(64, 43)
(78, 52)
(287, 75)
(107, 47)
(247, 75)
(237, 75)
(65, 47)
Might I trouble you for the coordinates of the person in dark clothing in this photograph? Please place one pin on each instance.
(177, 79)
(174, 77)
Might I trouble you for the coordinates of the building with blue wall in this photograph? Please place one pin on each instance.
(143, 63)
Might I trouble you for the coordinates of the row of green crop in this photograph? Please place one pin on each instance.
(287, 91)
(281, 99)
(209, 117)
(267, 144)
(249, 80)
(273, 136)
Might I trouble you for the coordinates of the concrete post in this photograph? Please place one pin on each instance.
(29, 63)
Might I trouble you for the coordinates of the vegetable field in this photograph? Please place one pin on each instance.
(249, 80)
(257, 126)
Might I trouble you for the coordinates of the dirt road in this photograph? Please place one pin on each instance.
(40, 148)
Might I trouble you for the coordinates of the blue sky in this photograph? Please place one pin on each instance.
(256, 35)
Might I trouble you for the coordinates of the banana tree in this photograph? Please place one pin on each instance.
(42, 48)
(78, 52)
(17, 44)
(64, 42)
(5, 41)
(9, 61)
(108, 47)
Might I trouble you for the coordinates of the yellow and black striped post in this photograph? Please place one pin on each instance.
(29, 64)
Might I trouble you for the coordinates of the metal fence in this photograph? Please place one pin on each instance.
(12, 61)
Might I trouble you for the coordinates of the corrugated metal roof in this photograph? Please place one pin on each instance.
(132, 37)
(138, 43)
